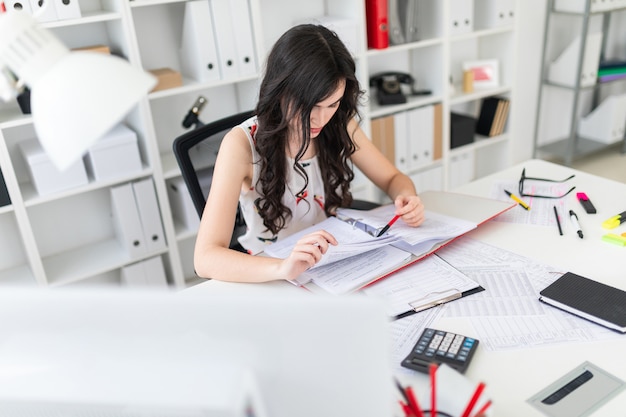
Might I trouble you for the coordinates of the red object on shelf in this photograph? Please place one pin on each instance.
(377, 24)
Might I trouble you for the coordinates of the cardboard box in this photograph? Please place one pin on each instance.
(166, 78)
(94, 48)
(114, 155)
(46, 177)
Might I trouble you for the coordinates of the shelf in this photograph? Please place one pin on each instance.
(582, 147)
(87, 18)
(460, 97)
(405, 47)
(598, 34)
(192, 86)
(147, 3)
(20, 275)
(10, 118)
(87, 261)
(482, 33)
(376, 110)
(31, 198)
(479, 143)
(149, 34)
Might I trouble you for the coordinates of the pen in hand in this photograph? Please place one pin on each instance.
(388, 225)
(574, 218)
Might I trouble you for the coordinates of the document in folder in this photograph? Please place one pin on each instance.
(361, 258)
(423, 285)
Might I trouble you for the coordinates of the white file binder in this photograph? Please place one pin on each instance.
(43, 11)
(421, 136)
(126, 220)
(494, 13)
(606, 123)
(461, 17)
(563, 69)
(244, 38)
(148, 208)
(224, 32)
(400, 125)
(198, 53)
(145, 273)
(22, 6)
(154, 272)
(67, 9)
(133, 275)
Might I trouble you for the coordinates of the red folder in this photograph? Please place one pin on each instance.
(377, 24)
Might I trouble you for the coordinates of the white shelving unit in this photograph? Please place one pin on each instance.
(569, 74)
(68, 238)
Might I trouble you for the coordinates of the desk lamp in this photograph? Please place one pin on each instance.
(76, 97)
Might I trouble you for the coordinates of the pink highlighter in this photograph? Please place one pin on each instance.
(586, 203)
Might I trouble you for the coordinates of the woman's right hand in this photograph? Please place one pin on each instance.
(306, 253)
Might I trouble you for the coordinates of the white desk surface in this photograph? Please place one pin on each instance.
(514, 376)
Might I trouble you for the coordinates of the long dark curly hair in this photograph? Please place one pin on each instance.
(305, 66)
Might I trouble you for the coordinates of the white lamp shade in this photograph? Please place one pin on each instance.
(80, 98)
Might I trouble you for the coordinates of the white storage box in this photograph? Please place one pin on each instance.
(183, 209)
(114, 155)
(606, 123)
(46, 177)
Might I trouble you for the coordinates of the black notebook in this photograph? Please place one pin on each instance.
(592, 300)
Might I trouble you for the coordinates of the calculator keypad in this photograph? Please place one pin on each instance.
(437, 346)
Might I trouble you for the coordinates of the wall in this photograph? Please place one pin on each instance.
(530, 24)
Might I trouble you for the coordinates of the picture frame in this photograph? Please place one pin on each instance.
(486, 72)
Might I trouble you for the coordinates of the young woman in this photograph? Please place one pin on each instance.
(290, 166)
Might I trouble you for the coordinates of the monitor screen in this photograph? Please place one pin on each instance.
(159, 353)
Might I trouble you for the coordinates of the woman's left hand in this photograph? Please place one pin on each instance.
(410, 209)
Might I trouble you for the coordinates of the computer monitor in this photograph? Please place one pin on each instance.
(145, 353)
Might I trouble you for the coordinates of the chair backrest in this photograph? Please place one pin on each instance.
(196, 151)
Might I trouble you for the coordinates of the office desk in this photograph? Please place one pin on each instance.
(514, 376)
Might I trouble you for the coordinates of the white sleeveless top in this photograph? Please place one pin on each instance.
(307, 208)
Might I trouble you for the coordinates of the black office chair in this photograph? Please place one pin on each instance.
(196, 151)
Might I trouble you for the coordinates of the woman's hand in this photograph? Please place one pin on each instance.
(410, 209)
(306, 253)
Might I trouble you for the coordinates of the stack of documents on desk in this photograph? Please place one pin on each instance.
(361, 258)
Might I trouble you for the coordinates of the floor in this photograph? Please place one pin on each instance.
(608, 163)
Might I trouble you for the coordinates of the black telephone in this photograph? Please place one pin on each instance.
(389, 87)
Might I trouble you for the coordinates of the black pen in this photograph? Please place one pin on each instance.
(558, 222)
(574, 218)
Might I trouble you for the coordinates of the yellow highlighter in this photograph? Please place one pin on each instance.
(614, 221)
(517, 199)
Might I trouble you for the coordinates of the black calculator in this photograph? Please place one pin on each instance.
(438, 346)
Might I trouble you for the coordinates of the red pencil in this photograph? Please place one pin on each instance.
(433, 389)
(408, 412)
(473, 400)
(388, 225)
(413, 402)
(483, 409)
